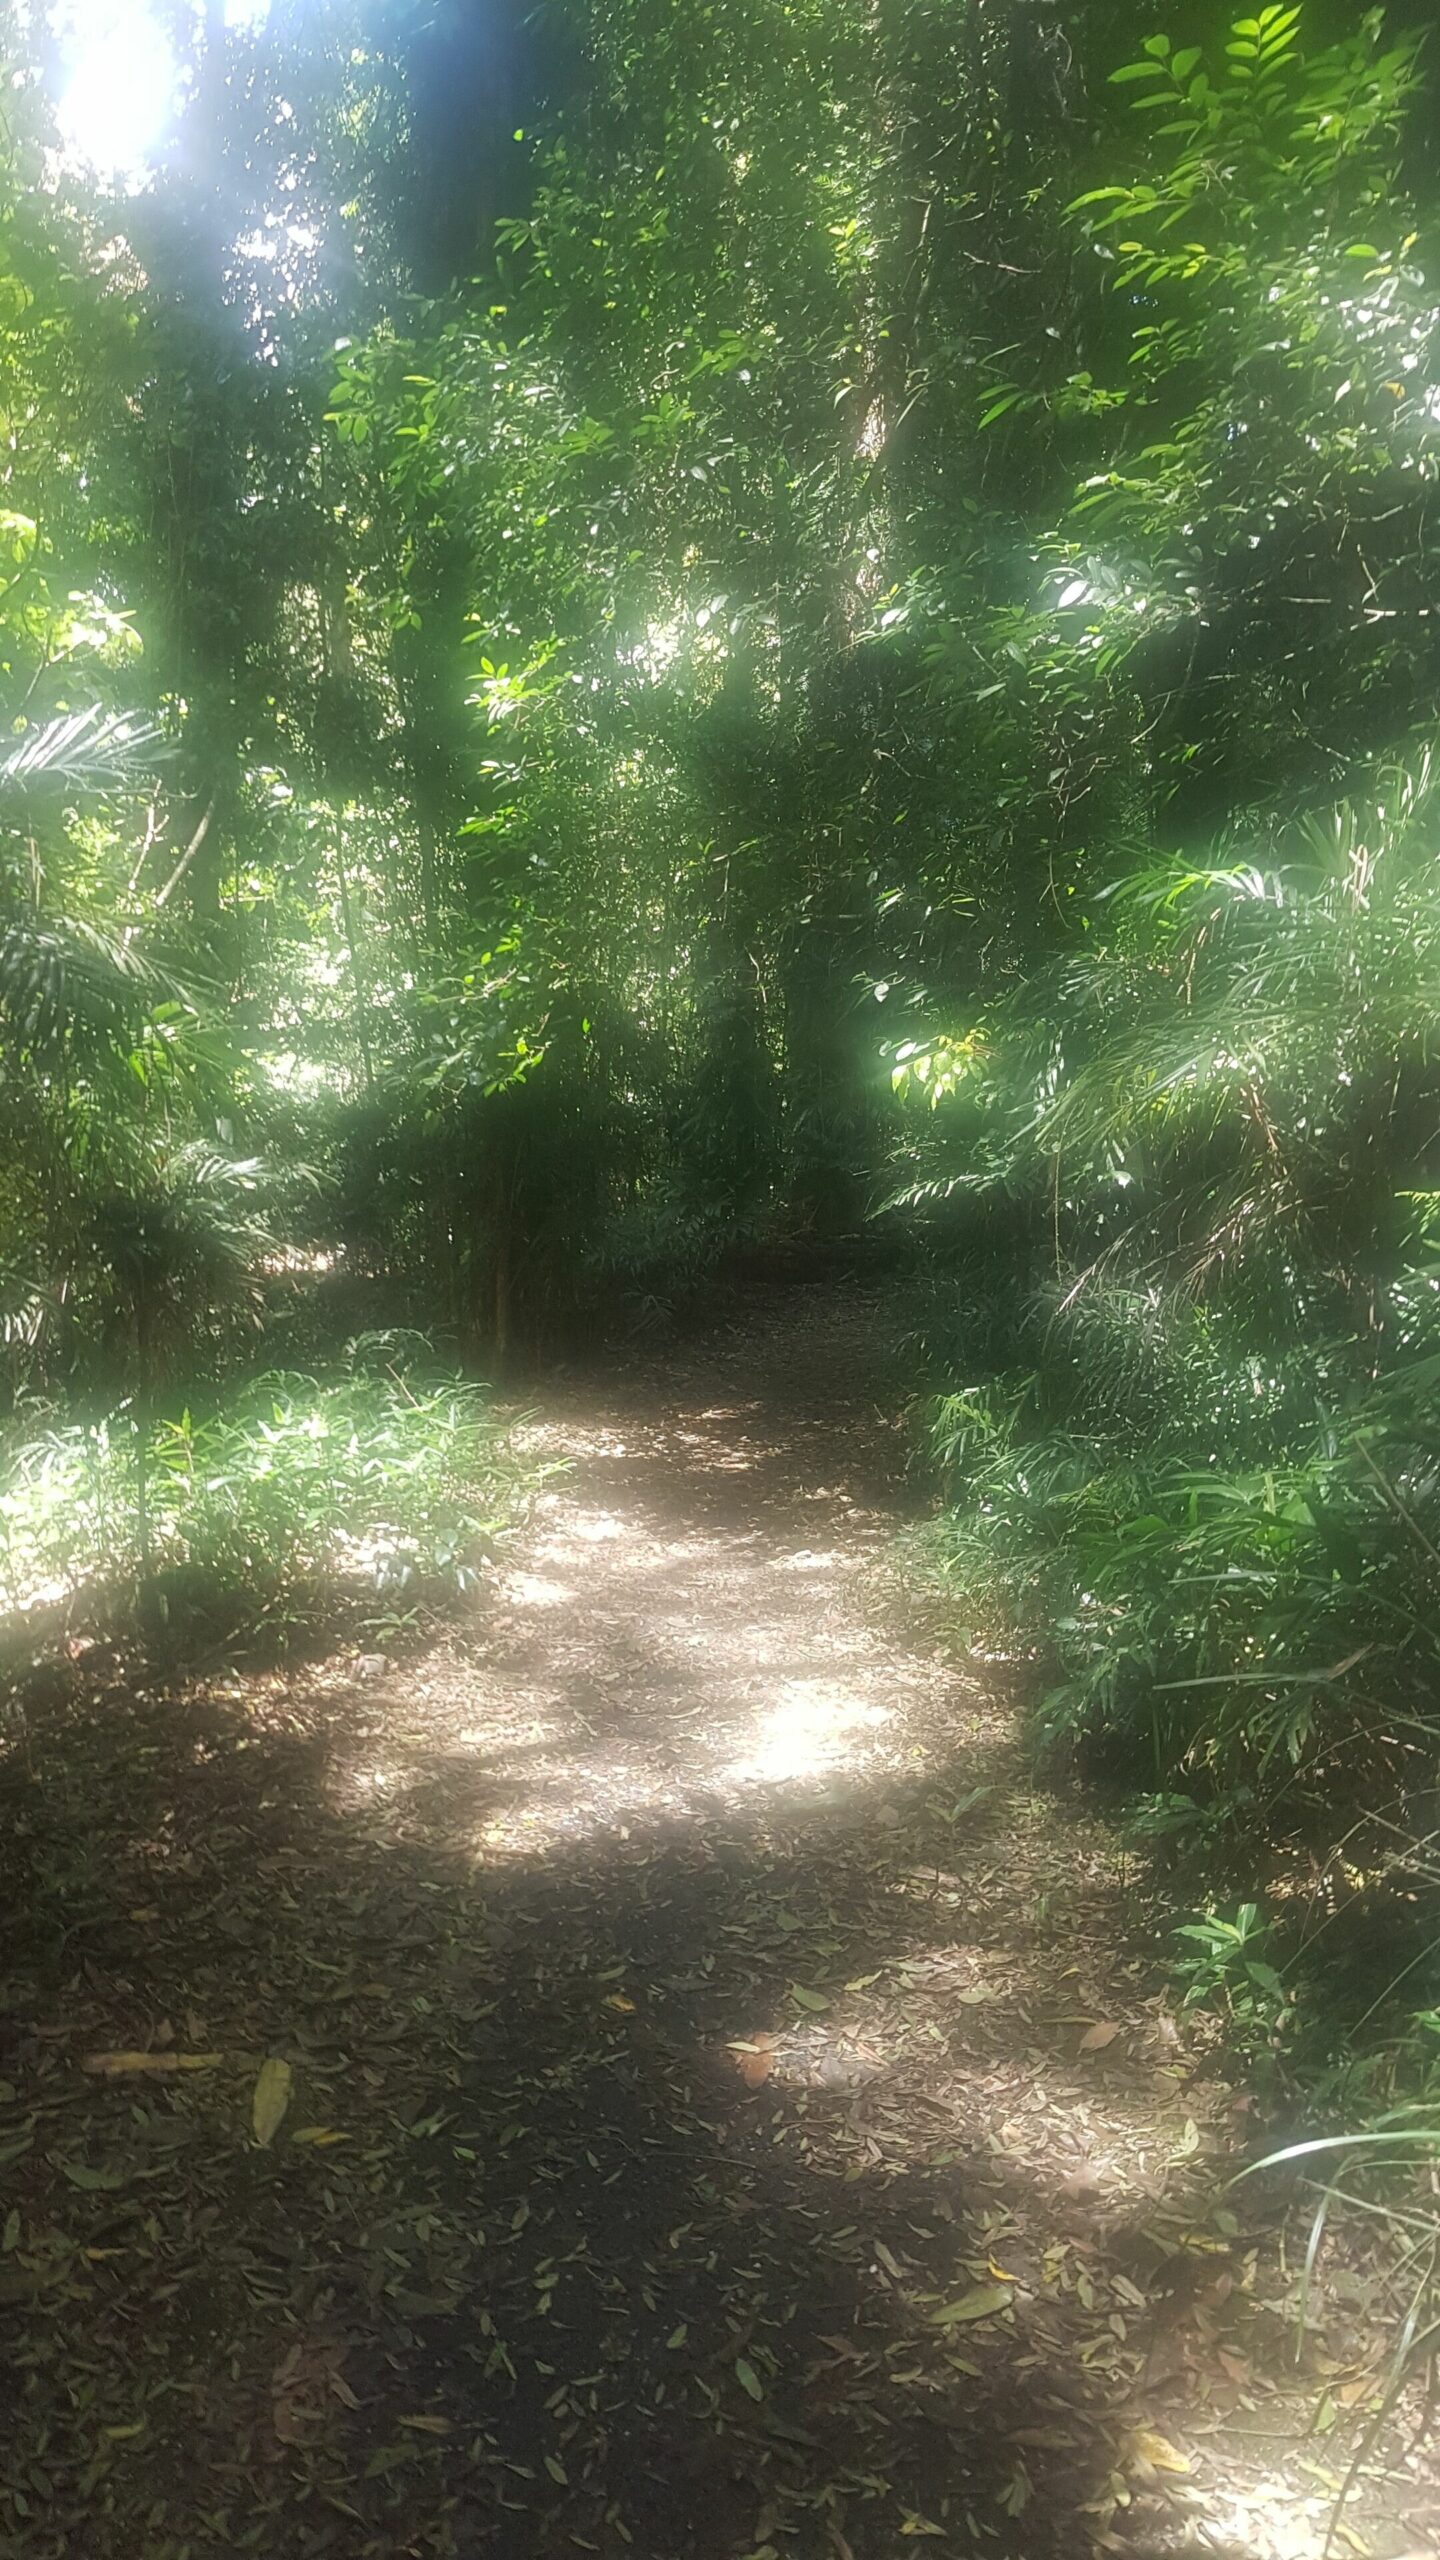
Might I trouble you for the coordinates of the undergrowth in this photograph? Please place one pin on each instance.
(1235, 1562)
(1223, 1564)
(380, 1480)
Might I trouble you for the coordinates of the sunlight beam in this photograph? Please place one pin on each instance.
(120, 90)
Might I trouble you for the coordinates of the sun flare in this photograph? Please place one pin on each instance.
(120, 87)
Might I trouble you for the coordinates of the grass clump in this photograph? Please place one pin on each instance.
(290, 1499)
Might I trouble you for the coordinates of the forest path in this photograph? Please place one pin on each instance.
(725, 2123)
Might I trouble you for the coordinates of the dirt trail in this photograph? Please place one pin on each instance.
(726, 2123)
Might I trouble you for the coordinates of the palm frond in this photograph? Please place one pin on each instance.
(72, 987)
(90, 750)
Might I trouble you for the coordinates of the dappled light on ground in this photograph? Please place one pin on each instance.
(661, 1654)
(724, 2117)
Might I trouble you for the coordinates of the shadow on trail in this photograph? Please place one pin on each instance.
(529, 2268)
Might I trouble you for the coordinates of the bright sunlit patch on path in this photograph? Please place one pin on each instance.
(538, 1591)
(812, 1726)
(597, 1529)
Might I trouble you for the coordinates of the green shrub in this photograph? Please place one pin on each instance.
(1254, 1632)
(295, 1493)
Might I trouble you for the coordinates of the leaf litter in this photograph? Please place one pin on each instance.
(599, 2135)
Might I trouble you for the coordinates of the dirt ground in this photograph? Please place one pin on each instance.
(718, 2105)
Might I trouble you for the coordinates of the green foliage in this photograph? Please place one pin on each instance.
(1218, 1484)
(290, 1500)
(1225, 1968)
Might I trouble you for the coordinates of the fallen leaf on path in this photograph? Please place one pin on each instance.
(754, 2057)
(117, 2066)
(1157, 2453)
(748, 2379)
(272, 2097)
(1095, 2039)
(804, 1999)
(1018, 2491)
(90, 2181)
(981, 2303)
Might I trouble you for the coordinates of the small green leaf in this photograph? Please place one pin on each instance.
(748, 2379)
(90, 2181)
(997, 408)
(271, 2098)
(804, 1999)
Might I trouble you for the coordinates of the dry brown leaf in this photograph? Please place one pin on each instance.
(120, 2066)
(1157, 2453)
(1095, 2039)
(754, 2056)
